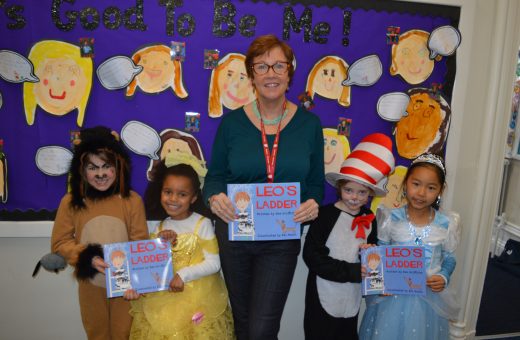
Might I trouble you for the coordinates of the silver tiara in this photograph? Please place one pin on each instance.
(430, 158)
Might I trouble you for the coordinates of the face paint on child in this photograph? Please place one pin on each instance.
(354, 196)
(99, 174)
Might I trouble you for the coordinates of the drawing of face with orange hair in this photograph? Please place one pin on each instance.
(229, 85)
(159, 73)
(411, 57)
(426, 126)
(325, 79)
(65, 80)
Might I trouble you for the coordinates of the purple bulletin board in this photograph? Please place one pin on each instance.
(348, 29)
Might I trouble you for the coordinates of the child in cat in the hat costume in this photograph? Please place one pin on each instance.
(331, 250)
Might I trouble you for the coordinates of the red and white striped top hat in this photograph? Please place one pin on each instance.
(369, 164)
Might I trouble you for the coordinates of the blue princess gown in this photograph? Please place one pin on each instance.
(415, 317)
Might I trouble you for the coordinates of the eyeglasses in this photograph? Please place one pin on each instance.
(280, 67)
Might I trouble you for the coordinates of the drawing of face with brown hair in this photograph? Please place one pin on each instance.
(410, 57)
(229, 85)
(235, 86)
(65, 80)
(159, 73)
(325, 79)
(425, 128)
(328, 80)
(180, 145)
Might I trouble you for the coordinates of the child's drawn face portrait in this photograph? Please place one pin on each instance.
(394, 197)
(99, 174)
(61, 87)
(242, 204)
(328, 79)
(180, 146)
(65, 80)
(336, 149)
(158, 72)
(416, 132)
(175, 146)
(410, 57)
(235, 87)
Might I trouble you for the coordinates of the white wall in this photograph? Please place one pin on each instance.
(512, 199)
(46, 307)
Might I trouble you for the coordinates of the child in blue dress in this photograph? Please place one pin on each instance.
(419, 223)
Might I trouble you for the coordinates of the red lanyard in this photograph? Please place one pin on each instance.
(270, 158)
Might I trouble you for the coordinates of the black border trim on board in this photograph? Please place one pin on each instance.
(452, 12)
(27, 215)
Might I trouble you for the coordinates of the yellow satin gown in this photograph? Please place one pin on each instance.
(168, 315)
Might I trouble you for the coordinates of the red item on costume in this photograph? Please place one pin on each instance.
(362, 223)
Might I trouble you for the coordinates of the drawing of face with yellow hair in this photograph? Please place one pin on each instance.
(229, 85)
(337, 148)
(65, 80)
(325, 79)
(411, 57)
(394, 198)
(159, 73)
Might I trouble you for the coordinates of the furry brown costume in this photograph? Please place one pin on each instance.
(88, 218)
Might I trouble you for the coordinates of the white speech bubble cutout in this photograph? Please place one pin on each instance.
(117, 72)
(15, 68)
(364, 72)
(53, 160)
(392, 106)
(443, 41)
(141, 139)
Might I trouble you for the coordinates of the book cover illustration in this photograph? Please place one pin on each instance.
(145, 266)
(264, 211)
(394, 270)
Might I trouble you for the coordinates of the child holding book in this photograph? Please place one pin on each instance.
(331, 250)
(99, 209)
(419, 223)
(196, 305)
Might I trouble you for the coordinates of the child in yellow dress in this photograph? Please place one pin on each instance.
(196, 305)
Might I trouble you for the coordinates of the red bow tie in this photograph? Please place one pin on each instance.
(362, 223)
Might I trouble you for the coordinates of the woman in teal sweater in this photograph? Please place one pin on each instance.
(268, 140)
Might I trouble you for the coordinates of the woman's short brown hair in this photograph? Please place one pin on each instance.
(264, 44)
